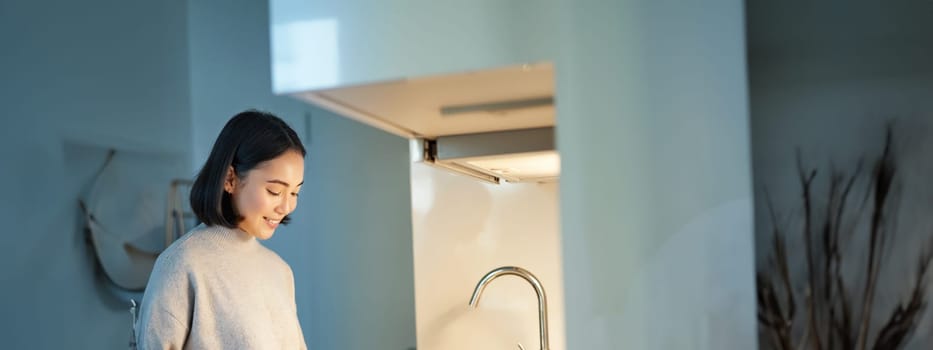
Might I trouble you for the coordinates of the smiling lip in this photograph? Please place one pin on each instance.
(272, 223)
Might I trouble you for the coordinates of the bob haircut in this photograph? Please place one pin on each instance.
(249, 138)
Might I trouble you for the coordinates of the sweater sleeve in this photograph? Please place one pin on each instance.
(301, 337)
(161, 331)
(291, 290)
(166, 308)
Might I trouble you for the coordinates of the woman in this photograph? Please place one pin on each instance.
(217, 287)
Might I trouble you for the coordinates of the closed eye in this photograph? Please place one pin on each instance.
(273, 193)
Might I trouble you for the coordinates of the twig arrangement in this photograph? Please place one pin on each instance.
(837, 312)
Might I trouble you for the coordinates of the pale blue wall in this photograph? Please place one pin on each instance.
(88, 72)
(656, 201)
(359, 269)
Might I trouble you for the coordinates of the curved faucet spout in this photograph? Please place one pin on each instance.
(528, 276)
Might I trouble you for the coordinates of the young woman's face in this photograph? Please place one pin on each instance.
(268, 192)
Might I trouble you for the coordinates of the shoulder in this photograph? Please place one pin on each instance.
(181, 250)
(182, 255)
(276, 263)
(275, 259)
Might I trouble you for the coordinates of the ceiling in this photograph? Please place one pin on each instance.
(412, 107)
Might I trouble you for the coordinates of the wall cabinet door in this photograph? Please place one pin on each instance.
(327, 43)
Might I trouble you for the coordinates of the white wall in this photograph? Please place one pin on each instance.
(463, 228)
(88, 73)
(656, 202)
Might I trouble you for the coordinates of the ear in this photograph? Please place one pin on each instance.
(230, 180)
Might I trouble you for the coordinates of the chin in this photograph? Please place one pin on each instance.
(260, 233)
(264, 235)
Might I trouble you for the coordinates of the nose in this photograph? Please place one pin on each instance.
(285, 206)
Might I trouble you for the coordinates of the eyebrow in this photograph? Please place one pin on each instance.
(283, 183)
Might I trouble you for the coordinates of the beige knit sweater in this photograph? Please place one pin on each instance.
(219, 288)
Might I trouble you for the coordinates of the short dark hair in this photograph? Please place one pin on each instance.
(249, 138)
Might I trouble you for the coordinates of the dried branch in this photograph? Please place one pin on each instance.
(835, 319)
(806, 181)
(883, 177)
(782, 265)
(904, 319)
(770, 314)
(843, 326)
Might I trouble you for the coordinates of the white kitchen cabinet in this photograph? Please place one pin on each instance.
(328, 43)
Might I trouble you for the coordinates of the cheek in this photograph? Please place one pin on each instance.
(251, 204)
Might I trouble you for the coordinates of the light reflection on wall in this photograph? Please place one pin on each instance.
(305, 55)
(462, 228)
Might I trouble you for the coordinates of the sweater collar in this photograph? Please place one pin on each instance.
(226, 235)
